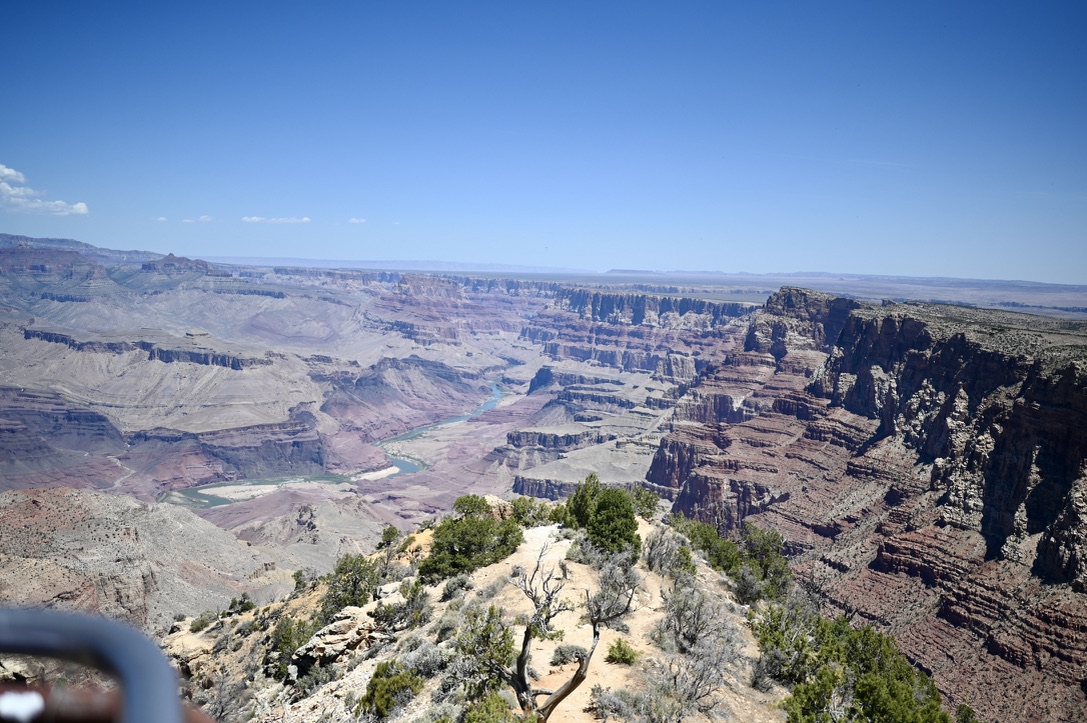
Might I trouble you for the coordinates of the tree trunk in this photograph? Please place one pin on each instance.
(544, 711)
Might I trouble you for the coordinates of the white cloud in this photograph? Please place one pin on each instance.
(356, 220)
(201, 219)
(205, 218)
(10, 174)
(262, 219)
(160, 218)
(17, 196)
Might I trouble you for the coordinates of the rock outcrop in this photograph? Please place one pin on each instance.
(928, 468)
(192, 354)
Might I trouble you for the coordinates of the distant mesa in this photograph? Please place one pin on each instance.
(170, 264)
(633, 272)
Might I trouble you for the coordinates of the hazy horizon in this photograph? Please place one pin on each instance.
(914, 141)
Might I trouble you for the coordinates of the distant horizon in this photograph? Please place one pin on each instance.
(435, 265)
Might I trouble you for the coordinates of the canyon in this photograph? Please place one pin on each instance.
(925, 462)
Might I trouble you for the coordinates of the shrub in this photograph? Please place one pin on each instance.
(746, 586)
(287, 636)
(447, 626)
(605, 704)
(472, 540)
(567, 653)
(244, 605)
(318, 676)
(411, 613)
(389, 536)
(455, 585)
(645, 502)
(531, 513)
(690, 616)
(760, 553)
(427, 660)
(203, 620)
(492, 709)
(665, 553)
(471, 505)
(388, 689)
(352, 582)
(831, 665)
(620, 652)
(613, 526)
(581, 506)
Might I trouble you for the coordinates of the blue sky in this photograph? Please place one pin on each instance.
(931, 139)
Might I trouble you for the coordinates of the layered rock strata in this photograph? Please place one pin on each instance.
(928, 468)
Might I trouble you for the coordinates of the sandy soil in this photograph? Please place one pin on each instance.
(376, 474)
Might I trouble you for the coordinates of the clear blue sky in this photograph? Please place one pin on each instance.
(919, 138)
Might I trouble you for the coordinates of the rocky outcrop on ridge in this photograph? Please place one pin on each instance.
(928, 467)
(193, 354)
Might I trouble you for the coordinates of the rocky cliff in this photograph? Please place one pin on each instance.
(192, 353)
(635, 332)
(928, 467)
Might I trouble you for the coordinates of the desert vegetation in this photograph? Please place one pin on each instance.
(444, 627)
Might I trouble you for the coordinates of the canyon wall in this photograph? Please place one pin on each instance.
(926, 465)
(662, 335)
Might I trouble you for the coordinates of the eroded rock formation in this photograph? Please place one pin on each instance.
(926, 465)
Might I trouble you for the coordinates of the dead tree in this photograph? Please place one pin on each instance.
(543, 587)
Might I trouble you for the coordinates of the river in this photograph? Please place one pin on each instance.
(205, 496)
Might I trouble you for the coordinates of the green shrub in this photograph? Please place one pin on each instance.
(830, 664)
(318, 676)
(244, 605)
(469, 541)
(471, 505)
(389, 536)
(531, 513)
(645, 502)
(352, 582)
(388, 689)
(411, 613)
(621, 652)
(203, 620)
(606, 514)
(287, 636)
(492, 709)
(757, 564)
(581, 506)
(613, 526)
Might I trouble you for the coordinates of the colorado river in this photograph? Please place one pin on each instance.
(409, 466)
(225, 493)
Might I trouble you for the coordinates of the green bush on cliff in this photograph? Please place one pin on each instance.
(352, 582)
(838, 672)
(388, 689)
(470, 540)
(757, 563)
(287, 636)
(607, 514)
